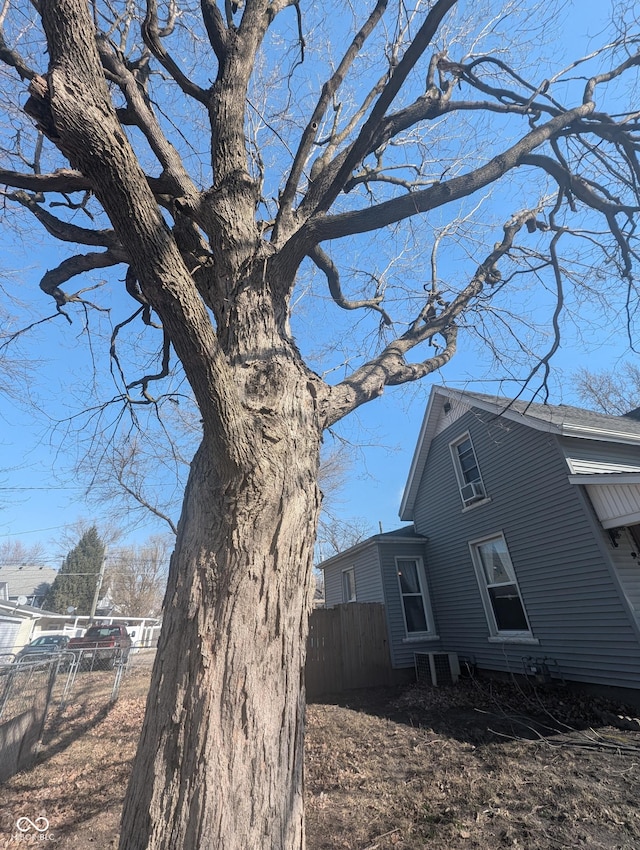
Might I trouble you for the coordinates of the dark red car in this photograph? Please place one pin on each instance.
(102, 646)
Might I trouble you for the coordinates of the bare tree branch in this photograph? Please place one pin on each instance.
(362, 144)
(140, 108)
(64, 230)
(153, 34)
(122, 189)
(147, 379)
(212, 275)
(322, 228)
(437, 318)
(310, 132)
(216, 29)
(13, 59)
(65, 181)
(73, 267)
(325, 264)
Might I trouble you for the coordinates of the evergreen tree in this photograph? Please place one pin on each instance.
(75, 583)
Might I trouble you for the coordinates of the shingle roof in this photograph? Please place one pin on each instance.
(562, 419)
(564, 416)
(406, 532)
(23, 580)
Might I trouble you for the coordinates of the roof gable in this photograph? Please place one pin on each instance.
(445, 405)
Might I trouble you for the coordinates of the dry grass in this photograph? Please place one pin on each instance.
(469, 768)
(477, 766)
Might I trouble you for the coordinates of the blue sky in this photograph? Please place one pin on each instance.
(39, 496)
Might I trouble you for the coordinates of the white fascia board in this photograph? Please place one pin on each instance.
(370, 541)
(420, 454)
(619, 521)
(354, 550)
(565, 429)
(607, 436)
(506, 412)
(605, 478)
(19, 610)
(429, 423)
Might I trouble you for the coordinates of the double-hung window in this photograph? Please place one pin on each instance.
(505, 610)
(467, 471)
(348, 585)
(415, 600)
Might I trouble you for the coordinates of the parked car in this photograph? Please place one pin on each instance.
(102, 646)
(43, 646)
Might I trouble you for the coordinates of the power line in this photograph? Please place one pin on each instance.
(27, 489)
(35, 531)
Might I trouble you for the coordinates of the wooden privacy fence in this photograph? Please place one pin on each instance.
(347, 648)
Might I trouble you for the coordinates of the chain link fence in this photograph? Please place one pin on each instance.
(25, 695)
(31, 690)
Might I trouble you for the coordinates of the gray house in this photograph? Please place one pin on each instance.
(372, 571)
(524, 554)
(28, 582)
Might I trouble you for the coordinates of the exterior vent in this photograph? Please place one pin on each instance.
(472, 492)
(437, 668)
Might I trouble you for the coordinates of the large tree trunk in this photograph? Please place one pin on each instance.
(220, 760)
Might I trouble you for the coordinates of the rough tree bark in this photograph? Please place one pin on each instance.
(219, 763)
(226, 701)
(220, 758)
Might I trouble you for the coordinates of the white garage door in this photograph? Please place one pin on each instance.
(8, 634)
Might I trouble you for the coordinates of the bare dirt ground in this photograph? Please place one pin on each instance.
(480, 766)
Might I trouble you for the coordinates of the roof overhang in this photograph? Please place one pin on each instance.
(19, 611)
(615, 496)
(387, 537)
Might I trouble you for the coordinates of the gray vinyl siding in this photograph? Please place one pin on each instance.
(402, 649)
(366, 567)
(583, 454)
(572, 598)
(626, 560)
(332, 586)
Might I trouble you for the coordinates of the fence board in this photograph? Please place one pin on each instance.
(347, 648)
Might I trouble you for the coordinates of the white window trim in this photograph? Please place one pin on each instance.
(453, 448)
(351, 570)
(426, 601)
(497, 635)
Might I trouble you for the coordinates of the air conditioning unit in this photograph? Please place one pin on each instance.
(472, 492)
(437, 668)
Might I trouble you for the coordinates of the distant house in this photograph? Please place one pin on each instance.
(25, 581)
(524, 554)
(17, 623)
(22, 589)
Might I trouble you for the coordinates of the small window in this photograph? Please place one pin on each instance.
(415, 600)
(467, 471)
(348, 585)
(497, 579)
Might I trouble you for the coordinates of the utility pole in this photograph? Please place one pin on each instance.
(96, 594)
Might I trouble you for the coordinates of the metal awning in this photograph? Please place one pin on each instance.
(615, 496)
